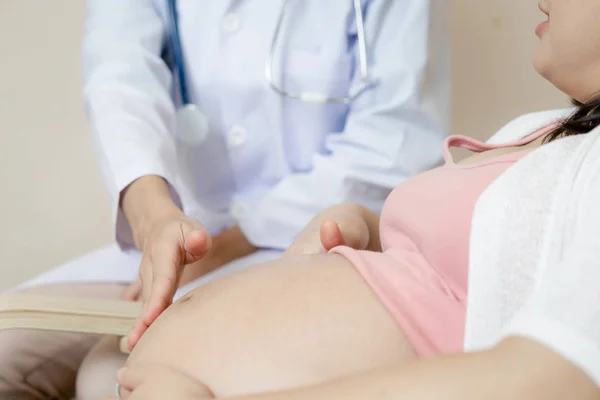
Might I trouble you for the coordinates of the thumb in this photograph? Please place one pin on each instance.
(331, 235)
(196, 244)
(351, 232)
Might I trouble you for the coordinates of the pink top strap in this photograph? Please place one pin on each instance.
(468, 143)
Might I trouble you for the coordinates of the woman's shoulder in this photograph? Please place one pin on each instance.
(526, 124)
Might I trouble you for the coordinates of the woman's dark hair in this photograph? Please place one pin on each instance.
(583, 120)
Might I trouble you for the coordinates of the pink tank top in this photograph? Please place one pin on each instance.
(426, 220)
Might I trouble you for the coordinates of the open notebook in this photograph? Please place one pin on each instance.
(108, 317)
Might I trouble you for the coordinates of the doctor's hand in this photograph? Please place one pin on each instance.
(170, 244)
(227, 246)
(167, 269)
(340, 225)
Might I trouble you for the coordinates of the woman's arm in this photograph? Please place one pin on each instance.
(517, 369)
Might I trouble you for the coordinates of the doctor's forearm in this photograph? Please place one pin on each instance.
(145, 202)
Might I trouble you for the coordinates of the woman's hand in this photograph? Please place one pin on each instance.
(341, 225)
(156, 382)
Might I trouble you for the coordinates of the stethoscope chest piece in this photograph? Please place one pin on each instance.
(192, 125)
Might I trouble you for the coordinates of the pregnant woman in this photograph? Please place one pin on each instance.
(518, 223)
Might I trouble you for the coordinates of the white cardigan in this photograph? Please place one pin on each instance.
(535, 248)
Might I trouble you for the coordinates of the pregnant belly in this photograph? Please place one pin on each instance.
(275, 326)
(207, 334)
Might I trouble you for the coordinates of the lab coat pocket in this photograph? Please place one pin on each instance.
(308, 71)
(307, 124)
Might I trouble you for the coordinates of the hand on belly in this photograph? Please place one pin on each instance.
(286, 323)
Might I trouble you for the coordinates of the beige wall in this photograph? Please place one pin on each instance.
(53, 206)
(494, 80)
(52, 203)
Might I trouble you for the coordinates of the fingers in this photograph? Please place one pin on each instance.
(139, 327)
(136, 332)
(125, 394)
(167, 264)
(134, 291)
(147, 316)
(131, 377)
(164, 286)
(351, 232)
(135, 379)
(147, 381)
(331, 235)
(178, 244)
(355, 233)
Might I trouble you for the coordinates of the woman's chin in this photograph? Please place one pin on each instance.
(541, 63)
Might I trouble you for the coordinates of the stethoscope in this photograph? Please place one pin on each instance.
(312, 97)
(316, 97)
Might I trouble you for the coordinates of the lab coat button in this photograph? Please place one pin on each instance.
(230, 23)
(237, 210)
(237, 136)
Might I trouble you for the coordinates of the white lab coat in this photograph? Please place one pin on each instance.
(269, 163)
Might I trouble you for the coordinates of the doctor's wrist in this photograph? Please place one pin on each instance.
(147, 202)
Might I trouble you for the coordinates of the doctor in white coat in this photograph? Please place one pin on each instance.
(217, 155)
